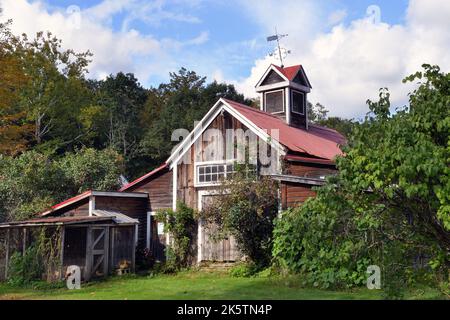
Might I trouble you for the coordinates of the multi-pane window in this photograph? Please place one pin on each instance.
(274, 101)
(298, 102)
(214, 173)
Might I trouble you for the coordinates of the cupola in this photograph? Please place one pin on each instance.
(283, 93)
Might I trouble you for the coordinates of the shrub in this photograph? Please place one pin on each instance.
(25, 268)
(245, 207)
(180, 224)
(244, 270)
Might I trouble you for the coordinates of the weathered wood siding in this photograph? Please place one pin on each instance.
(308, 170)
(76, 209)
(159, 189)
(293, 194)
(133, 207)
(207, 149)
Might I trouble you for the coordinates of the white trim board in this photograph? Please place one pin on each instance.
(270, 68)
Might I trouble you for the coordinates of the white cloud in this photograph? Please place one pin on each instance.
(337, 16)
(91, 29)
(348, 64)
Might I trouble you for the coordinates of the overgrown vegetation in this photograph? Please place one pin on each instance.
(245, 207)
(32, 182)
(389, 204)
(40, 260)
(181, 227)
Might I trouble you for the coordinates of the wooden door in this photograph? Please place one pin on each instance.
(97, 251)
(209, 247)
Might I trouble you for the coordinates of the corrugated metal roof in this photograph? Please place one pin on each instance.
(317, 141)
(118, 218)
(57, 221)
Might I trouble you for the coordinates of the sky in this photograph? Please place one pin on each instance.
(349, 49)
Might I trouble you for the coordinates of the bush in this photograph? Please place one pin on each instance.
(245, 207)
(244, 270)
(26, 268)
(325, 243)
(181, 226)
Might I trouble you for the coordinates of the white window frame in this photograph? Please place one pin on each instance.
(205, 163)
(284, 102)
(292, 102)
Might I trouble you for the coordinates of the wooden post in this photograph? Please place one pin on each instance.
(106, 253)
(88, 267)
(61, 261)
(7, 254)
(133, 256)
(24, 240)
(112, 235)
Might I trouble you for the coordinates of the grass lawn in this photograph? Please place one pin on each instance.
(200, 285)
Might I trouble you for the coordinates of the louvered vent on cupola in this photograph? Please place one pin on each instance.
(284, 94)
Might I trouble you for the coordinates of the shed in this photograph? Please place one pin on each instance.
(99, 244)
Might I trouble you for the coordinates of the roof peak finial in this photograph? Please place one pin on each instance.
(281, 52)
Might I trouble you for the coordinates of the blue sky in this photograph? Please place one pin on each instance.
(346, 53)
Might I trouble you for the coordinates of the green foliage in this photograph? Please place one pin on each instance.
(244, 270)
(32, 182)
(92, 169)
(388, 205)
(245, 208)
(324, 241)
(181, 226)
(39, 261)
(26, 267)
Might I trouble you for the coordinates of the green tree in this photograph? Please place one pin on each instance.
(32, 182)
(117, 111)
(43, 91)
(389, 205)
(245, 207)
(15, 130)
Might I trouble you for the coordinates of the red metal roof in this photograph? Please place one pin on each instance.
(148, 175)
(317, 141)
(289, 72)
(68, 202)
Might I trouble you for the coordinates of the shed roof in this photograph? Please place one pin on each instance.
(56, 221)
(118, 218)
(89, 193)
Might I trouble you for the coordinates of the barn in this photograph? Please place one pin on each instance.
(287, 147)
(282, 144)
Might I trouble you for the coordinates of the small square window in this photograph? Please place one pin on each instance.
(298, 102)
(275, 101)
(201, 170)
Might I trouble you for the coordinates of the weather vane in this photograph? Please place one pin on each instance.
(281, 52)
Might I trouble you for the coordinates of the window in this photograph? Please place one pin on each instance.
(275, 101)
(298, 102)
(214, 173)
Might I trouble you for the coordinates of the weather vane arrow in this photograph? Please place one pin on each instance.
(282, 52)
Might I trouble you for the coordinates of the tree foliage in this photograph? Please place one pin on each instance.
(32, 182)
(245, 207)
(389, 204)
